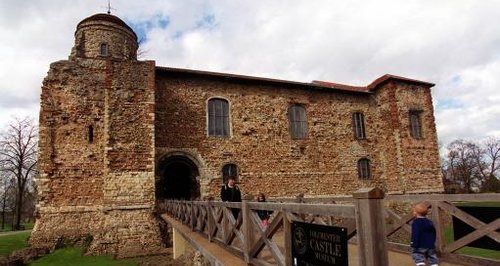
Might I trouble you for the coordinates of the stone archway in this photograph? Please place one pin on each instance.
(178, 178)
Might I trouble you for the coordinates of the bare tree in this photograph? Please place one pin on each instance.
(18, 156)
(492, 157)
(463, 166)
(471, 167)
(7, 196)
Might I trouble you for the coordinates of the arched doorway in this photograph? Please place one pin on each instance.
(177, 178)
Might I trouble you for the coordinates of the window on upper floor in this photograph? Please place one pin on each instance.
(297, 121)
(415, 123)
(358, 124)
(229, 170)
(364, 169)
(103, 49)
(218, 117)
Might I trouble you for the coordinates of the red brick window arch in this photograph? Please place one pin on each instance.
(218, 117)
(364, 171)
(297, 121)
(228, 170)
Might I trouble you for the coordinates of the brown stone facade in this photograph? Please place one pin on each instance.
(117, 134)
(270, 161)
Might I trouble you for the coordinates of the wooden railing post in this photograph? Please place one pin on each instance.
(437, 219)
(287, 229)
(370, 226)
(248, 232)
(193, 215)
(210, 218)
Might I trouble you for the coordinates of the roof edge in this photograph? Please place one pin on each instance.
(312, 85)
(387, 77)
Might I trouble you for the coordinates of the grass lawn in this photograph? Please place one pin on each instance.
(8, 227)
(13, 242)
(66, 256)
(73, 256)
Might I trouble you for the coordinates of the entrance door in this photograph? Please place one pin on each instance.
(178, 179)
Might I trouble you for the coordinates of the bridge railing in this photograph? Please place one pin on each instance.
(257, 244)
(444, 207)
(360, 214)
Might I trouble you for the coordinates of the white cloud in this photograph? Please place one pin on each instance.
(455, 44)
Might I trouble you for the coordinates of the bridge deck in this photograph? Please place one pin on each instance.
(217, 255)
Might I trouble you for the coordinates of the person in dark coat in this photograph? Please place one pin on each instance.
(231, 192)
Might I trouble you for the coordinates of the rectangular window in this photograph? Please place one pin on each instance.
(415, 124)
(364, 169)
(298, 122)
(103, 49)
(358, 125)
(218, 117)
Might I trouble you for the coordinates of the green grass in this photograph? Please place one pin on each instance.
(74, 256)
(65, 256)
(8, 227)
(13, 242)
(478, 252)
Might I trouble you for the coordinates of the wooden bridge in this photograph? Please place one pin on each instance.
(371, 219)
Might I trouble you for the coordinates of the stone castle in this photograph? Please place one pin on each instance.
(117, 134)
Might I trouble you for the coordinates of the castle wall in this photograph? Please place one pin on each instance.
(98, 181)
(270, 161)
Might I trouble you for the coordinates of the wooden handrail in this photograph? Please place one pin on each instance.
(215, 220)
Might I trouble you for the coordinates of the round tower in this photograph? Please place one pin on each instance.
(104, 36)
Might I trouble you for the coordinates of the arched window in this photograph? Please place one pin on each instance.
(218, 117)
(229, 170)
(358, 123)
(103, 49)
(364, 169)
(297, 121)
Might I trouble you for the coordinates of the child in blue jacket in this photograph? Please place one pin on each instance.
(423, 237)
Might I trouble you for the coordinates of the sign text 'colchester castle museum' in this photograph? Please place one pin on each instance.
(117, 134)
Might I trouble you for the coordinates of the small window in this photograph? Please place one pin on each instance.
(358, 123)
(415, 124)
(103, 49)
(364, 169)
(91, 134)
(218, 117)
(298, 121)
(229, 170)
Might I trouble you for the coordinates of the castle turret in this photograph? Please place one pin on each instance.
(104, 36)
(96, 158)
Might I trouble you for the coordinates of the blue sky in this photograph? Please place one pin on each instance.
(452, 43)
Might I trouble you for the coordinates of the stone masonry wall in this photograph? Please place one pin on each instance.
(100, 181)
(269, 161)
(410, 165)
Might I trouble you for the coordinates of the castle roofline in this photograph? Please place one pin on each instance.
(375, 84)
(108, 18)
(315, 84)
